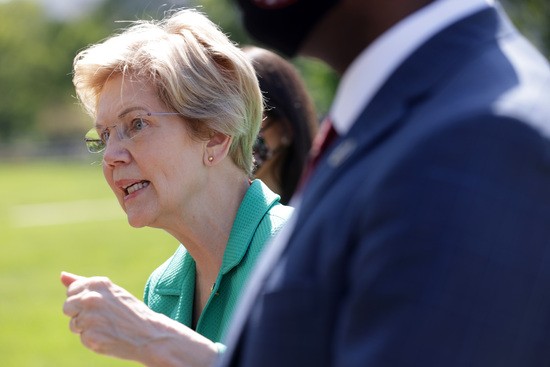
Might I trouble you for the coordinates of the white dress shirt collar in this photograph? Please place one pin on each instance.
(374, 65)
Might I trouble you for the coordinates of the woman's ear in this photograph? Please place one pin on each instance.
(217, 148)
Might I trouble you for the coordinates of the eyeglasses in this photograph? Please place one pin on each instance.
(261, 151)
(96, 140)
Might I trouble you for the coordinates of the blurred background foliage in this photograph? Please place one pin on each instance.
(39, 115)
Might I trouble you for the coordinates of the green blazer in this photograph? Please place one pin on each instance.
(171, 287)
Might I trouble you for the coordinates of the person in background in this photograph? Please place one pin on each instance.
(177, 108)
(422, 236)
(289, 125)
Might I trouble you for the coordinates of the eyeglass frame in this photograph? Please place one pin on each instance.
(96, 138)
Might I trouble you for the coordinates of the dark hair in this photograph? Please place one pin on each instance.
(288, 101)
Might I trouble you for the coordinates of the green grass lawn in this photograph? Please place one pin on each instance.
(58, 216)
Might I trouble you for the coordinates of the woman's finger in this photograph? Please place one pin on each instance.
(74, 326)
(72, 305)
(75, 283)
(68, 278)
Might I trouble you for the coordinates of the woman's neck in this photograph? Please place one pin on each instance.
(205, 228)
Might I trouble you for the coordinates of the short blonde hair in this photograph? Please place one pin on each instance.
(197, 71)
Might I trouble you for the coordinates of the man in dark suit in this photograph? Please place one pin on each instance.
(422, 237)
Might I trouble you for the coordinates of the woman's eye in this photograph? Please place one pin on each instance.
(138, 124)
(104, 135)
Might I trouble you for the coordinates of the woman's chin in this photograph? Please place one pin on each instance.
(137, 225)
(136, 221)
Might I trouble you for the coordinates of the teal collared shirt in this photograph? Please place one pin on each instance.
(170, 289)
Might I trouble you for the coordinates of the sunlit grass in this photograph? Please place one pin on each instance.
(33, 330)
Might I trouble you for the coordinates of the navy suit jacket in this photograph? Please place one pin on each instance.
(423, 238)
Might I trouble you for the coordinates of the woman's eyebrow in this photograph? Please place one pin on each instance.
(126, 111)
(130, 109)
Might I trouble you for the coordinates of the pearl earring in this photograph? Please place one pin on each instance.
(210, 159)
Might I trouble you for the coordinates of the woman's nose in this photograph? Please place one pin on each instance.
(115, 151)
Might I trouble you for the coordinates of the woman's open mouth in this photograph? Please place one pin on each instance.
(135, 187)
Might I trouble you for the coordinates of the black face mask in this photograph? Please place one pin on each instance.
(282, 24)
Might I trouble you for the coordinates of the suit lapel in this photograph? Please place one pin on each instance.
(415, 80)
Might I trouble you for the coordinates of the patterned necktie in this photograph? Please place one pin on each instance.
(325, 136)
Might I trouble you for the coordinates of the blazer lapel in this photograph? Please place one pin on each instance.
(416, 79)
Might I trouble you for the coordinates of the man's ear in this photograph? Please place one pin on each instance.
(217, 148)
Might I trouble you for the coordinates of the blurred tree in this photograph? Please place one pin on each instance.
(24, 62)
(532, 18)
(36, 56)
